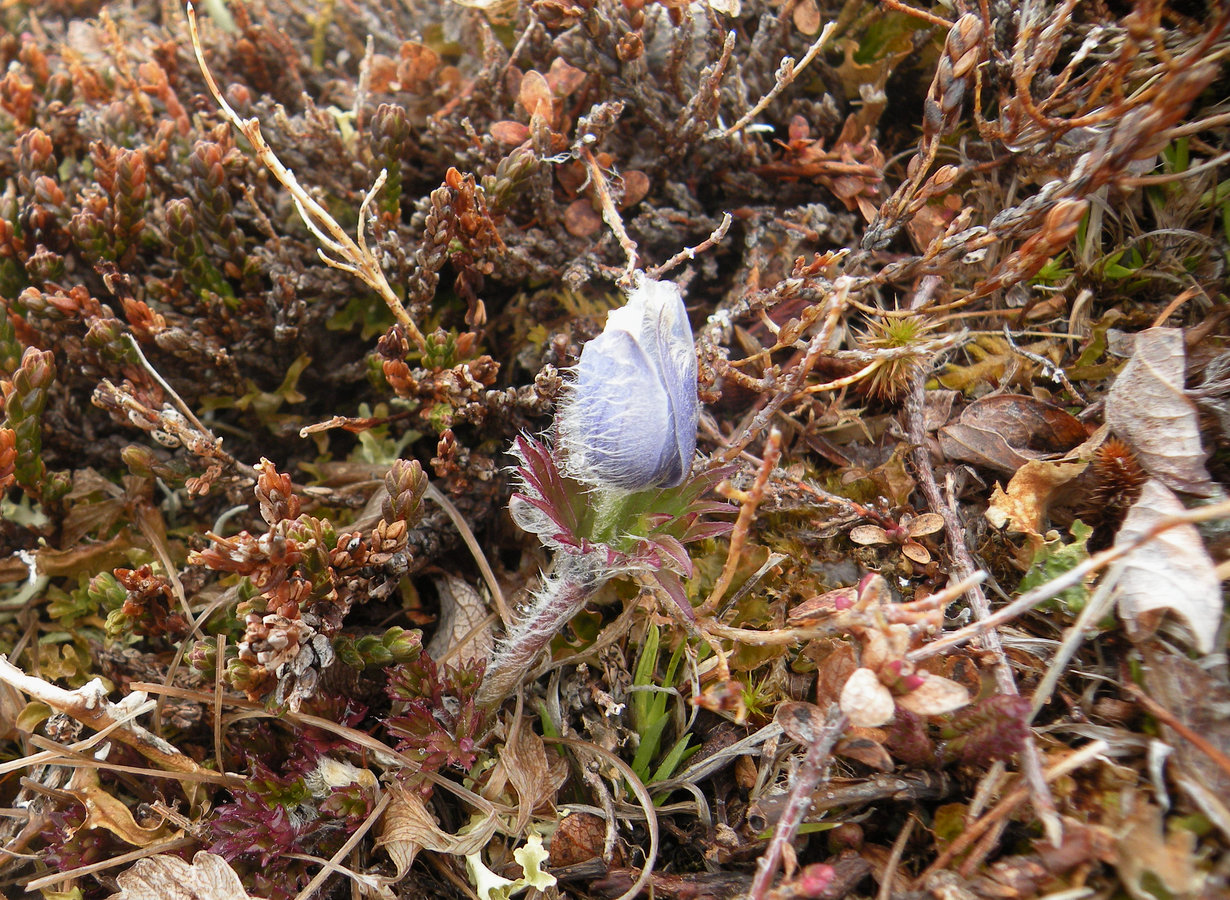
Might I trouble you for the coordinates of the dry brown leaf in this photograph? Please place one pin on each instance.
(581, 220)
(1008, 430)
(807, 17)
(1022, 508)
(1197, 698)
(1147, 856)
(1172, 572)
(534, 776)
(868, 534)
(105, 811)
(803, 723)
(927, 523)
(564, 78)
(636, 186)
(510, 133)
(934, 697)
(867, 751)
(535, 95)
(408, 827)
(1147, 407)
(833, 669)
(164, 877)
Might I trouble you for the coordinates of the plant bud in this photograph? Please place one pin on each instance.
(629, 421)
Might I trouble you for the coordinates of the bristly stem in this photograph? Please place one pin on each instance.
(575, 579)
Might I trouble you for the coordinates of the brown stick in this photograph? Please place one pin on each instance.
(811, 772)
(963, 567)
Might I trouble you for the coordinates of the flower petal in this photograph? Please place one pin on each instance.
(629, 421)
(616, 423)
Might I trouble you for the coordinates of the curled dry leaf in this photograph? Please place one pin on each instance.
(533, 774)
(1006, 431)
(1172, 572)
(1150, 857)
(934, 697)
(1022, 508)
(1147, 407)
(102, 810)
(209, 877)
(803, 723)
(409, 827)
(865, 701)
(1196, 698)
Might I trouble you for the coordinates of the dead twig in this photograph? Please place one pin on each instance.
(89, 705)
(811, 771)
(1007, 805)
(787, 72)
(610, 214)
(1075, 575)
(894, 860)
(749, 502)
(347, 255)
(963, 567)
(794, 383)
(687, 253)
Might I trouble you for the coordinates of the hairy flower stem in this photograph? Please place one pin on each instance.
(564, 592)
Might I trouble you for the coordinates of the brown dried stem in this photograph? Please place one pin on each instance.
(963, 565)
(817, 344)
(743, 524)
(610, 214)
(1007, 805)
(811, 771)
(347, 255)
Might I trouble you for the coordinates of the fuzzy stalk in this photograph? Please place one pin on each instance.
(574, 580)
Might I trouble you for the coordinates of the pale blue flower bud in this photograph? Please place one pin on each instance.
(629, 420)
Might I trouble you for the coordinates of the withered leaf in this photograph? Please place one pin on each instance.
(581, 220)
(531, 772)
(408, 827)
(510, 133)
(1198, 698)
(535, 95)
(1146, 407)
(1171, 572)
(865, 750)
(102, 810)
(802, 722)
(868, 534)
(1022, 508)
(563, 78)
(1008, 430)
(1150, 856)
(935, 696)
(164, 877)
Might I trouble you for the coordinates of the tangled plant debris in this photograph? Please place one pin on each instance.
(536, 448)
